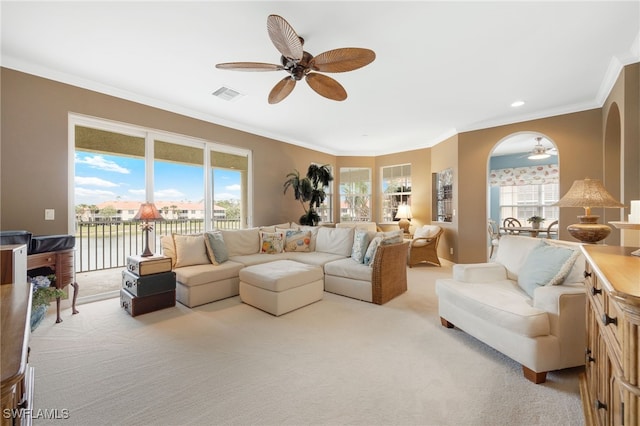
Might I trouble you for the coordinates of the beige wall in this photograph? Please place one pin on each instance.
(34, 151)
(578, 139)
(34, 158)
(445, 155)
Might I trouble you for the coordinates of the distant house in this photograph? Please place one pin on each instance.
(170, 210)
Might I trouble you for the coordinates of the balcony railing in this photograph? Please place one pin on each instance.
(107, 244)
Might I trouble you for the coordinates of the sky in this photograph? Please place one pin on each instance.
(100, 177)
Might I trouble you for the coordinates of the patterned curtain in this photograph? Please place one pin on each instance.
(533, 175)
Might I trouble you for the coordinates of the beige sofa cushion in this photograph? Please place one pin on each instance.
(190, 250)
(499, 302)
(281, 275)
(335, 240)
(349, 269)
(195, 275)
(241, 241)
(367, 226)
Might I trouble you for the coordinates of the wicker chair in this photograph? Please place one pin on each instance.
(425, 249)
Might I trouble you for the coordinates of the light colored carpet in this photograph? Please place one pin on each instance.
(338, 361)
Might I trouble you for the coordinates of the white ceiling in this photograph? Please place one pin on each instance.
(441, 67)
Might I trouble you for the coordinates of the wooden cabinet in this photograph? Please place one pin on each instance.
(62, 263)
(17, 375)
(610, 386)
(13, 264)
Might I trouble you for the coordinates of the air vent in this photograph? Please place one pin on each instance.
(227, 94)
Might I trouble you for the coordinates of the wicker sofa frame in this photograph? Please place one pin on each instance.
(389, 277)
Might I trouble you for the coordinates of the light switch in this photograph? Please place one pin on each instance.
(49, 214)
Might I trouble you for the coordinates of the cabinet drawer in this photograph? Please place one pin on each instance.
(41, 259)
(612, 321)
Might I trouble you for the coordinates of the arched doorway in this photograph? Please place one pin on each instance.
(612, 170)
(523, 178)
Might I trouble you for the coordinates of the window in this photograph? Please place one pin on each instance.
(524, 201)
(355, 194)
(229, 171)
(117, 167)
(325, 211)
(396, 190)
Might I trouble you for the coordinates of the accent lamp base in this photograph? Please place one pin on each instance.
(588, 230)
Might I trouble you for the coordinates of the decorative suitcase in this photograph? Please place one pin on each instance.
(148, 284)
(148, 265)
(142, 305)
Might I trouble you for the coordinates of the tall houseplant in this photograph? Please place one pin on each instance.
(309, 190)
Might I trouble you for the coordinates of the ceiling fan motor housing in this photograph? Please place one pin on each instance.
(297, 69)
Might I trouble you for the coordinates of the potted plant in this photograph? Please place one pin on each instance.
(43, 291)
(535, 221)
(309, 190)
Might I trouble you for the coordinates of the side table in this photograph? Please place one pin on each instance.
(148, 285)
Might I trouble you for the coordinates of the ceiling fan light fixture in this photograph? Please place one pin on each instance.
(538, 156)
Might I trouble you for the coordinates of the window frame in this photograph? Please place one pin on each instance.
(366, 197)
(386, 197)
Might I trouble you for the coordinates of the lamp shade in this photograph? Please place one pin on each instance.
(148, 211)
(588, 193)
(404, 212)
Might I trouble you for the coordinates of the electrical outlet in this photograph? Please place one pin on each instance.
(49, 214)
(451, 250)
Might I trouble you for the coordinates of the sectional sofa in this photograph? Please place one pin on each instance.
(357, 260)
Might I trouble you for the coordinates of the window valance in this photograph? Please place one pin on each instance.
(533, 175)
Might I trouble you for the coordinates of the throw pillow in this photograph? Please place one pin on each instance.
(545, 265)
(216, 249)
(169, 248)
(295, 240)
(427, 231)
(392, 237)
(190, 250)
(271, 242)
(371, 250)
(360, 245)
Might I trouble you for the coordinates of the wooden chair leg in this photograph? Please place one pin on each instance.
(531, 375)
(446, 323)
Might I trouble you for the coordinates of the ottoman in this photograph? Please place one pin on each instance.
(281, 286)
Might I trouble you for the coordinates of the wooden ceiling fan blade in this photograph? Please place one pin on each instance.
(249, 66)
(341, 60)
(284, 38)
(326, 86)
(281, 90)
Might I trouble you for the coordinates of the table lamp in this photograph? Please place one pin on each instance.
(147, 212)
(404, 214)
(588, 193)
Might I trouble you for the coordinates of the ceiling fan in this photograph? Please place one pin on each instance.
(299, 63)
(540, 152)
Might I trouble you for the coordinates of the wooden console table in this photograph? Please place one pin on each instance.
(17, 376)
(62, 263)
(610, 388)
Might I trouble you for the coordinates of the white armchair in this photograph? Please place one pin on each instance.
(544, 331)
